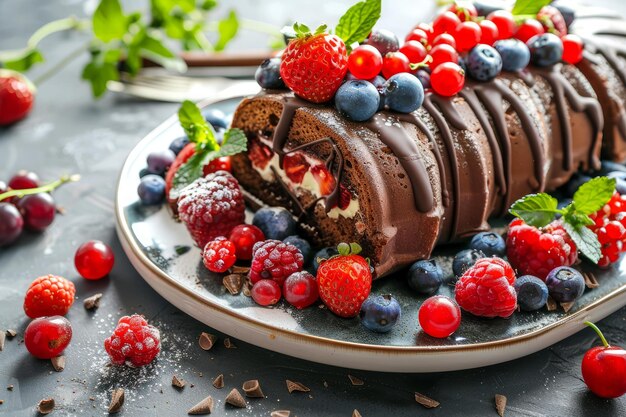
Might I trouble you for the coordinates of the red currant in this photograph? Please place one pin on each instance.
(265, 292)
(11, 224)
(395, 63)
(504, 22)
(417, 35)
(445, 38)
(467, 36)
(428, 29)
(300, 289)
(94, 260)
(365, 62)
(23, 180)
(489, 32)
(415, 51)
(572, 49)
(439, 316)
(244, 236)
(604, 367)
(442, 53)
(465, 10)
(447, 79)
(38, 211)
(446, 22)
(47, 337)
(220, 164)
(528, 29)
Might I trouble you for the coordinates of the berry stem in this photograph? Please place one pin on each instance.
(43, 189)
(597, 330)
(59, 25)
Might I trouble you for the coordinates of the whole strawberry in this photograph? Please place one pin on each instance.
(314, 64)
(49, 295)
(16, 97)
(345, 281)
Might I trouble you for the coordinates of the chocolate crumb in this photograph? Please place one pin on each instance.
(191, 385)
(10, 387)
(296, 386)
(11, 333)
(551, 304)
(500, 404)
(356, 413)
(200, 374)
(177, 382)
(117, 400)
(229, 344)
(325, 384)
(280, 413)
(235, 399)
(233, 283)
(247, 287)
(92, 399)
(93, 302)
(426, 401)
(253, 389)
(45, 406)
(1, 402)
(567, 306)
(240, 270)
(356, 381)
(203, 407)
(590, 280)
(218, 382)
(207, 340)
(58, 363)
(2, 337)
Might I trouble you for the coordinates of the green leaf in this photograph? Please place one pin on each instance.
(109, 22)
(530, 7)
(586, 241)
(227, 29)
(99, 73)
(196, 127)
(155, 50)
(208, 4)
(235, 141)
(23, 60)
(358, 21)
(594, 194)
(535, 209)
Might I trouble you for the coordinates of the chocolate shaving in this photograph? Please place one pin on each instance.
(178, 382)
(117, 400)
(235, 399)
(551, 304)
(240, 270)
(203, 407)
(2, 337)
(253, 389)
(356, 413)
(218, 382)
(1, 402)
(567, 306)
(11, 333)
(206, 340)
(426, 401)
(500, 404)
(233, 283)
(355, 381)
(58, 363)
(590, 280)
(280, 413)
(45, 406)
(296, 386)
(10, 387)
(229, 344)
(93, 302)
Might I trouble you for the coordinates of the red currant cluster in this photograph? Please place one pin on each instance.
(610, 227)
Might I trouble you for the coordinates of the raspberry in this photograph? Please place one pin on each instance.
(486, 289)
(133, 342)
(211, 206)
(219, 255)
(273, 259)
(49, 295)
(534, 251)
(610, 227)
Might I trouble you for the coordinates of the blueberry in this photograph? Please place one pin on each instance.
(620, 181)
(574, 183)
(275, 222)
(358, 100)
(268, 74)
(425, 276)
(151, 189)
(565, 284)
(483, 62)
(464, 260)
(484, 8)
(143, 172)
(216, 118)
(607, 167)
(545, 49)
(325, 253)
(424, 77)
(379, 83)
(532, 293)
(462, 63)
(178, 144)
(515, 54)
(489, 243)
(403, 93)
(160, 161)
(379, 313)
(302, 244)
(219, 135)
(384, 40)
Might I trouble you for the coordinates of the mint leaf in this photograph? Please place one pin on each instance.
(586, 241)
(593, 195)
(99, 72)
(235, 141)
(530, 7)
(358, 21)
(227, 29)
(109, 22)
(23, 60)
(155, 50)
(196, 127)
(535, 209)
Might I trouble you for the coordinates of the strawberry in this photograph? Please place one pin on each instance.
(314, 64)
(295, 166)
(345, 281)
(324, 178)
(16, 97)
(259, 154)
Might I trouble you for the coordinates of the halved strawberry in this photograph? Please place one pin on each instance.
(324, 178)
(259, 153)
(344, 197)
(295, 166)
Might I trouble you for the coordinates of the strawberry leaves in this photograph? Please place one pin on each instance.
(358, 21)
(594, 194)
(529, 7)
(535, 209)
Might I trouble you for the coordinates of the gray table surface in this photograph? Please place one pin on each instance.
(68, 132)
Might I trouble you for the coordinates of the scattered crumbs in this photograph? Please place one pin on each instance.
(200, 374)
(92, 399)
(192, 385)
(177, 382)
(355, 381)
(500, 404)
(45, 406)
(10, 387)
(1, 402)
(325, 384)
(567, 306)
(233, 283)
(93, 302)
(58, 363)
(11, 333)
(356, 413)
(117, 400)
(551, 304)
(280, 413)
(218, 382)
(252, 388)
(235, 399)
(2, 337)
(206, 340)
(229, 344)
(296, 386)
(321, 306)
(203, 407)
(426, 401)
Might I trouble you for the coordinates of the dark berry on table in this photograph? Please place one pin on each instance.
(573, 47)
(365, 62)
(303, 246)
(445, 22)
(11, 224)
(379, 313)
(545, 50)
(414, 51)
(504, 21)
(532, 293)
(267, 75)
(133, 342)
(515, 54)
(439, 316)
(424, 77)
(383, 40)
(273, 259)
(47, 337)
(565, 284)
(467, 36)
(275, 222)
(528, 29)
(266, 292)
(441, 54)
(151, 189)
(488, 32)
(447, 79)
(620, 181)
(178, 144)
(160, 161)
(322, 255)
(49, 295)
(464, 260)
(94, 260)
(484, 63)
(38, 211)
(395, 63)
(358, 100)
(244, 236)
(489, 243)
(23, 180)
(404, 93)
(219, 255)
(300, 289)
(425, 276)
(216, 118)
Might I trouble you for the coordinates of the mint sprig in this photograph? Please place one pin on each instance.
(358, 21)
(529, 7)
(539, 210)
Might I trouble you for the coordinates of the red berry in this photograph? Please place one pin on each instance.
(414, 51)
(244, 236)
(395, 63)
(94, 260)
(417, 35)
(447, 79)
(273, 259)
(465, 10)
(445, 38)
(49, 295)
(504, 22)
(528, 29)
(365, 62)
(11, 224)
(428, 30)
(295, 165)
(219, 255)
(442, 53)
(38, 211)
(23, 180)
(467, 36)
(446, 22)
(489, 32)
(16, 97)
(259, 153)
(439, 316)
(47, 337)
(604, 368)
(324, 178)
(133, 342)
(300, 289)
(265, 292)
(220, 164)
(572, 49)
